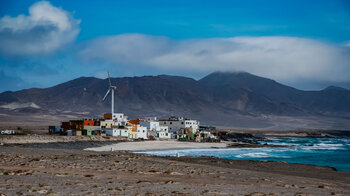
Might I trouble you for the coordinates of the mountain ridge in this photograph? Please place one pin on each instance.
(224, 99)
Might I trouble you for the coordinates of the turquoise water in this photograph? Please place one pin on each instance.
(316, 151)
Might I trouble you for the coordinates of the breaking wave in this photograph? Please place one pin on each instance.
(331, 152)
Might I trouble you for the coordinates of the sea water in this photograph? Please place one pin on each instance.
(332, 152)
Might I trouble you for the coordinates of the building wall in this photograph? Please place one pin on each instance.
(176, 125)
(111, 132)
(69, 132)
(151, 125)
(142, 132)
(163, 135)
(194, 124)
(107, 116)
(124, 132)
(164, 128)
(107, 124)
(119, 117)
(92, 128)
(134, 121)
(173, 125)
(132, 135)
(89, 123)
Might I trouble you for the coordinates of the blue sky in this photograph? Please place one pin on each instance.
(300, 43)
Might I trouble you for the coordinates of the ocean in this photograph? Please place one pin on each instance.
(332, 152)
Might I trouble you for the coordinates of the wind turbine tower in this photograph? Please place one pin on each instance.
(111, 88)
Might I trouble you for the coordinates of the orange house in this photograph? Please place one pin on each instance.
(134, 122)
(89, 122)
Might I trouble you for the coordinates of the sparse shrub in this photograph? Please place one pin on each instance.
(22, 132)
(42, 185)
(168, 172)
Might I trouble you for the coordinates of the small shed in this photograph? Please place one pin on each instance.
(76, 132)
(86, 132)
(69, 132)
(51, 129)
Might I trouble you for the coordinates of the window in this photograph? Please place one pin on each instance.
(143, 130)
(182, 122)
(171, 123)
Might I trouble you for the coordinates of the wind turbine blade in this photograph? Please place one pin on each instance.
(106, 94)
(109, 80)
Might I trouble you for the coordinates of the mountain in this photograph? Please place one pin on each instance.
(237, 99)
(256, 94)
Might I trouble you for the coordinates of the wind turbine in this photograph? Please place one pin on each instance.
(110, 88)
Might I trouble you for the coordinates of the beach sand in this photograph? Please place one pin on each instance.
(64, 168)
(157, 145)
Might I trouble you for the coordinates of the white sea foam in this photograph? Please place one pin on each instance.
(253, 155)
(324, 146)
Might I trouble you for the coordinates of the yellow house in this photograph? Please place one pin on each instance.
(132, 131)
(106, 124)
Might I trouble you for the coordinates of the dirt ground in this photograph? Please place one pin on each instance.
(66, 169)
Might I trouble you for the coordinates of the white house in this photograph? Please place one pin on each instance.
(194, 124)
(151, 125)
(141, 132)
(177, 123)
(163, 135)
(155, 129)
(117, 132)
(164, 128)
(119, 117)
(110, 132)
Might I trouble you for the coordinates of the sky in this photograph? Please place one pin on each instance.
(301, 43)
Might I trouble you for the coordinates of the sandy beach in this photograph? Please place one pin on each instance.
(156, 145)
(85, 166)
(65, 169)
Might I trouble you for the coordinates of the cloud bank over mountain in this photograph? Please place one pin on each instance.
(281, 58)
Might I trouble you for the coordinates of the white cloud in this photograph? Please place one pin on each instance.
(44, 30)
(282, 58)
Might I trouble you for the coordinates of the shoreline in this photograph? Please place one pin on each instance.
(156, 145)
(143, 146)
(66, 171)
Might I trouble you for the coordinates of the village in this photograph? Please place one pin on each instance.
(118, 125)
